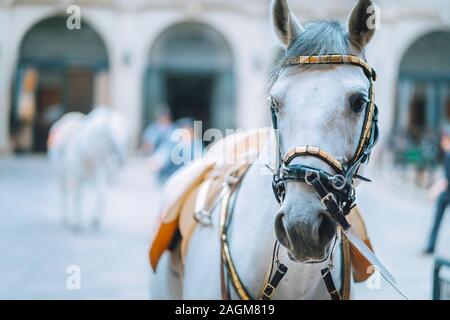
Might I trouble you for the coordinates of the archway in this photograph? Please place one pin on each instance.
(59, 70)
(190, 71)
(423, 97)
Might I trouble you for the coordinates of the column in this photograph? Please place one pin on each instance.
(5, 78)
(126, 74)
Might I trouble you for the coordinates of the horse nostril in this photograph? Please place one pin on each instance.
(281, 231)
(327, 228)
(279, 224)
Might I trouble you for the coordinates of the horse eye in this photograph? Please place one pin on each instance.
(357, 102)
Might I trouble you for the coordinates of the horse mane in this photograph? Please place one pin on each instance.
(318, 38)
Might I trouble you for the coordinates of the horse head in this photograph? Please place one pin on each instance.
(317, 105)
(119, 137)
(111, 133)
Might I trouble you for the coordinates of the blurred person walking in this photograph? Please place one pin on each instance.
(182, 147)
(441, 186)
(158, 132)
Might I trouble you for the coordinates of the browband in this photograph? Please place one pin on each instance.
(333, 59)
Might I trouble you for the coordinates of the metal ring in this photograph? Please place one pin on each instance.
(338, 182)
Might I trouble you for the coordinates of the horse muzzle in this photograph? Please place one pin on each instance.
(307, 237)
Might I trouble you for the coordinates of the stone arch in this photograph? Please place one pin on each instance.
(423, 96)
(58, 70)
(191, 71)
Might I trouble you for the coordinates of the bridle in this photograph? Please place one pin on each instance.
(336, 191)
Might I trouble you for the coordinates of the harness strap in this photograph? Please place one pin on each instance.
(346, 267)
(368, 124)
(223, 283)
(274, 110)
(344, 293)
(228, 267)
(227, 263)
(271, 286)
(365, 154)
(334, 59)
(329, 283)
(329, 201)
(234, 177)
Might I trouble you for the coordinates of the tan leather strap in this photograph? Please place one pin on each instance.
(346, 281)
(227, 262)
(223, 218)
(333, 59)
(233, 178)
(316, 152)
(367, 128)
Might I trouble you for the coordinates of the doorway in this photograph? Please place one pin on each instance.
(191, 73)
(183, 95)
(65, 64)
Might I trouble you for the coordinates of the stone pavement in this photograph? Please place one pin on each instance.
(35, 249)
(399, 218)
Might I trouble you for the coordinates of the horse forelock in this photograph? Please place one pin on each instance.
(318, 38)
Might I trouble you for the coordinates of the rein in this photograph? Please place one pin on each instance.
(336, 191)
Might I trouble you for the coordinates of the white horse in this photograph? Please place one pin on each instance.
(318, 106)
(86, 148)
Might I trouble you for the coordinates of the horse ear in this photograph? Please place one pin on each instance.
(362, 23)
(285, 24)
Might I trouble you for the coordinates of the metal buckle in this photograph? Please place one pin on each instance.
(328, 197)
(328, 269)
(203, 217)
(309, 173)
(272, 290)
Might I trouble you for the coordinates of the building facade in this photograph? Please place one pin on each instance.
(207, 59)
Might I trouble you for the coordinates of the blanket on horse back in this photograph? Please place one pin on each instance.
(194, 191)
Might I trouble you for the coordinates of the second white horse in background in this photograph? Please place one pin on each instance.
(87, 149)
